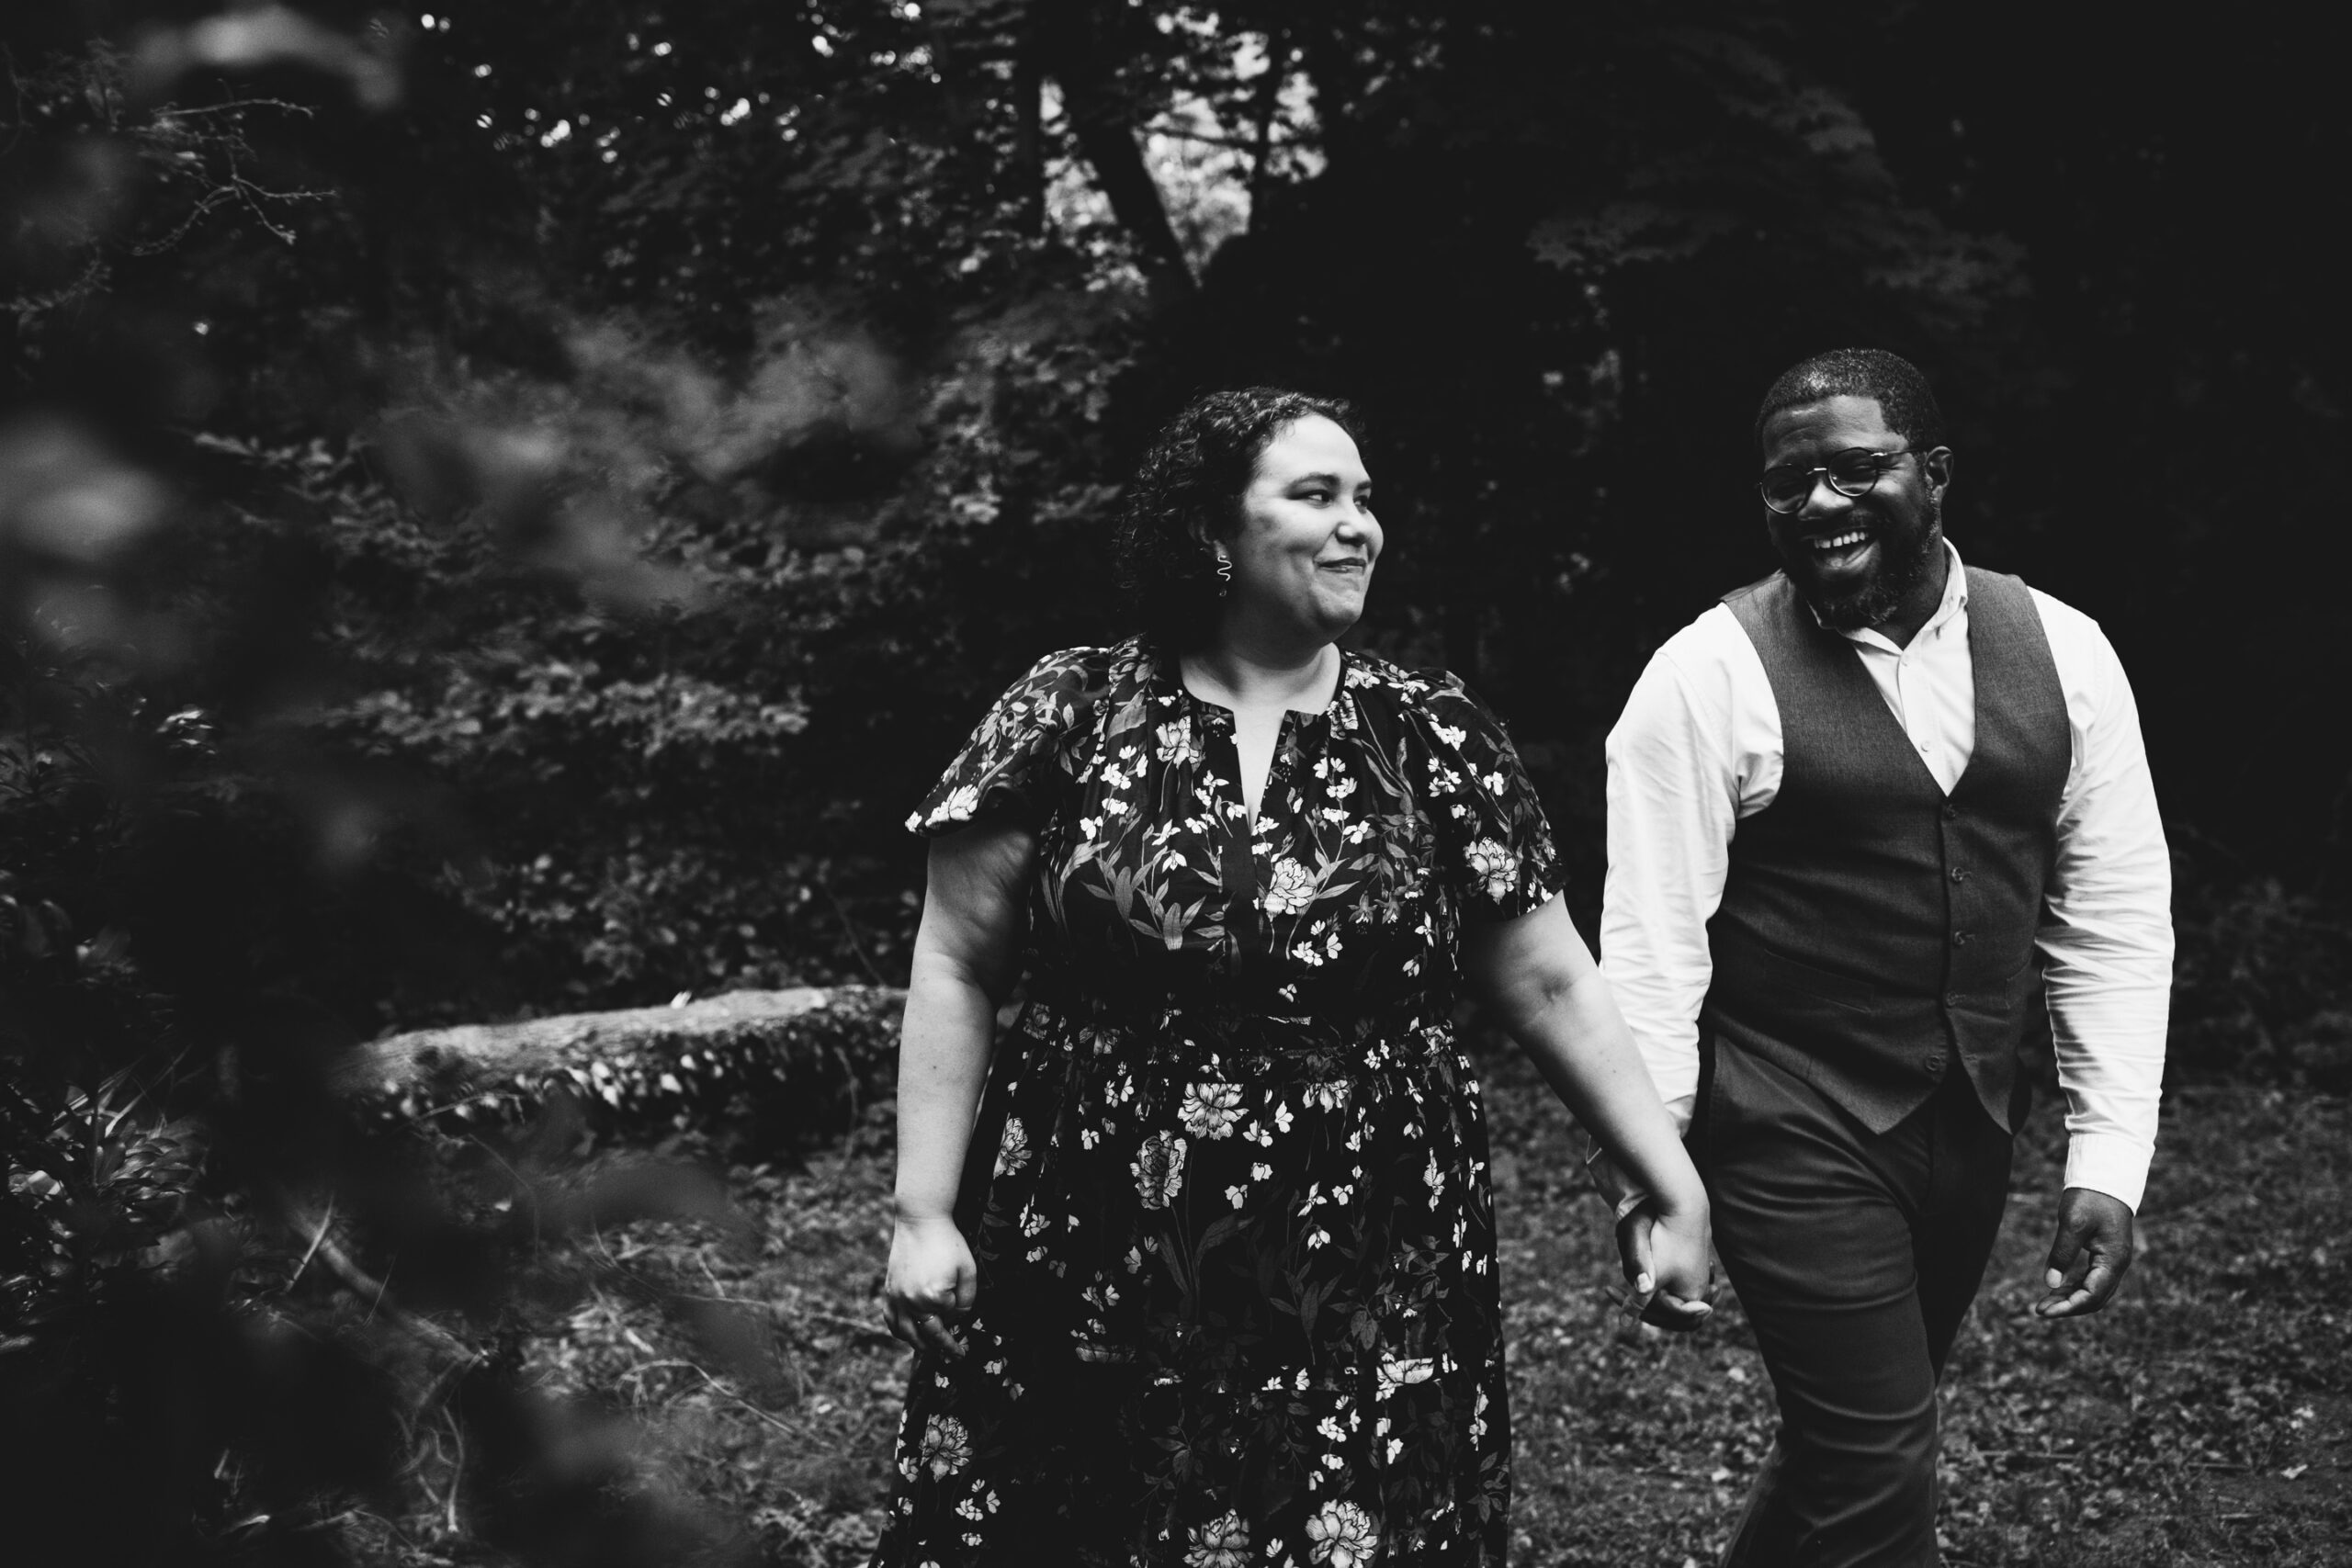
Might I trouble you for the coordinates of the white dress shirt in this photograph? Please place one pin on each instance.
(1698, 751)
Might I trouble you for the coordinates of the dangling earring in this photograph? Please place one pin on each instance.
(1224, 574)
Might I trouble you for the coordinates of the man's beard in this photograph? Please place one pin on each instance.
(1898, 573)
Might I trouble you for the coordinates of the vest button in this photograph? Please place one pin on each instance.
(1952, 812)
(1957, 874)
(1960, 939)
(1951, 998)
(1936, 1066)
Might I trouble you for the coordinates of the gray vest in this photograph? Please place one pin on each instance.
(1874, 933)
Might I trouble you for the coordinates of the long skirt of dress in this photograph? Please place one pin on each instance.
(1235, 1312)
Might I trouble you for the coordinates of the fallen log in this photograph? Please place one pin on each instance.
(807, 1060)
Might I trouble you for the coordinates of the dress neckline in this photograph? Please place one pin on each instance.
(1168, 678)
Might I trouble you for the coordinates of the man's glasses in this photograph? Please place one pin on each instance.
(1853, 472)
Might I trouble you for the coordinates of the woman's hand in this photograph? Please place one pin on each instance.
(1665, 1256)
(967, 952)
(931, 1283)
(1538, 976)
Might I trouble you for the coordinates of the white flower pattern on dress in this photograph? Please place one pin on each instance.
(1178, 744)
(1158, 1170)
(1289, 889)
(1395, 1374)
(957, 808)
(1211, 1109)
(1223, 1542)
(1013, 1149)
(1343, 1536)
(1493, 865)
(1311, 1016)
(947, 1446)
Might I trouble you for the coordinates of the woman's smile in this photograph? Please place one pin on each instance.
(1304, 553)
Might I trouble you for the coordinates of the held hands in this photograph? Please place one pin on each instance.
(931, 1283)
(2089, 1258)
(1665, 1257)
(1663, 1253)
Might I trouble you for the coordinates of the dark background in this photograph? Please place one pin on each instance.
(863, 395)
(503, 513)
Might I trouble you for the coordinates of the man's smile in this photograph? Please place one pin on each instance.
(1843, 556)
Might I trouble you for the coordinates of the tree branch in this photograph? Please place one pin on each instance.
(1028, 136)
(1269, 105)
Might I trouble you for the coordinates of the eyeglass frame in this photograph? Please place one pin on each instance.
(1883, 465)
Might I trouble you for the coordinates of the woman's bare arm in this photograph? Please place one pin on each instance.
(1539, 978)
(966, 957)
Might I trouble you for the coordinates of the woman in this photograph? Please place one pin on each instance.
(1209, 1278)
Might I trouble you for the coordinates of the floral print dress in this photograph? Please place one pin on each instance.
(1228, 1195)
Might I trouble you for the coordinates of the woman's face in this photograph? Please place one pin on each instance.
(1304, 552)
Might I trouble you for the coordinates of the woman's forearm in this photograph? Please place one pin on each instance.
(967, 952)
(943, 1061)
(1580, 1045)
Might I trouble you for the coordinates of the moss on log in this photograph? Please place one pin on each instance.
(806, 1060)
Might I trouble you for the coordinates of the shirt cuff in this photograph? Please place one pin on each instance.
(2110, 1163)
(1617, 1189)
(1681, 1108)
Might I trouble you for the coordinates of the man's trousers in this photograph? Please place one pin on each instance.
(1855, 1256)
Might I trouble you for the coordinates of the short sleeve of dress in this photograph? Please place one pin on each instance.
(1018, 763)
(1496, 841)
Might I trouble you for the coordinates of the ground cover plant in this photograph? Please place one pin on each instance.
(2205, 1419)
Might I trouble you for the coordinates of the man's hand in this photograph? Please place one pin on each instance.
(1665, 1257)
(2088, 1259)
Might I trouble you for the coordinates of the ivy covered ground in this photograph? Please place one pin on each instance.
(2206, 1418)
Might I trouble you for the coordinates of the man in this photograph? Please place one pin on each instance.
(1861, 814)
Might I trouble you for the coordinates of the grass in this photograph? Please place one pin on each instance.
(2203, 1419)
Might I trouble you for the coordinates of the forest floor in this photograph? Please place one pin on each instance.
(2205, 1419)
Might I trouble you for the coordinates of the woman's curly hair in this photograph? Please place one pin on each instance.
(1190, 484)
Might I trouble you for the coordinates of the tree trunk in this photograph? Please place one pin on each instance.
(1029, 137)
(809, 1055)
(1269, 105)
(1072, 46)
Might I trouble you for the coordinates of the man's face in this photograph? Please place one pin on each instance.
(1858, 560)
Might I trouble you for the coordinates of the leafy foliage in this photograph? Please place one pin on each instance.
(2260, 989)
(504, 514)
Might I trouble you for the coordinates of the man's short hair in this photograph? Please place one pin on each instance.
(1904, 399)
